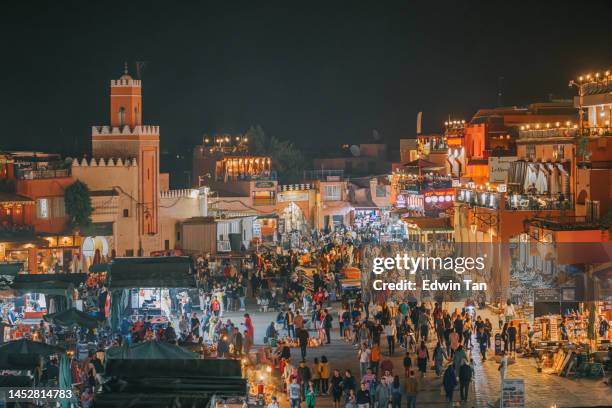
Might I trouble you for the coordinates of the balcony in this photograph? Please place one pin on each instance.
(323, 175)
(30, 174)
(572, 223)
(567, 132)
(537, 202)
(263, 176)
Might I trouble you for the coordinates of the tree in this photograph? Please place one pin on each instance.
(287, 159)
(78, 204)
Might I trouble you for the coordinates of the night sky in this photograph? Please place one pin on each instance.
(318, 74)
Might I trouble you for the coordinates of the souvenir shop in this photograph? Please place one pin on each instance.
(561, 335)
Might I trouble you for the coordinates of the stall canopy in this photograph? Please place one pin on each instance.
(24, 354)
(153, 374)
(150, 350)
(48, 283)
(71, 318)
(151, 272)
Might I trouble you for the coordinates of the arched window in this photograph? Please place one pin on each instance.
(121, 116)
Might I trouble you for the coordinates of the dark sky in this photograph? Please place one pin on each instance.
(315, 73)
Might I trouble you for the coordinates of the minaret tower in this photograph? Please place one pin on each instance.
(128, 138)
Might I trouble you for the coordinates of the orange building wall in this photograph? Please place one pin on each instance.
(128, 97)
(44, 188)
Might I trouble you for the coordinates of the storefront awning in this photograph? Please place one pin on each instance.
(13, 198)
(151, 272)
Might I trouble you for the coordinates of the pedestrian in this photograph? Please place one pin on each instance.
(391, 332)
(465, 377)
(316, 375)
(348, 383)
(449, 382)
(407, 364)
(396, 393)
(289, 322)
(311, 397)
(363, 396)
(324, 374)
(422, 358)
(294, 394)
(511, 338)
(305, 375)
(327, 325)
(375, 358)
(302, 335)
(459, 356)
(364, 359)
(382, 394)
(482, 343)
(411, 388)
(439, 356)
(336, 388)
(273, 403)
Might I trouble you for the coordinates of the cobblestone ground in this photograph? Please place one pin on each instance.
(542, 390)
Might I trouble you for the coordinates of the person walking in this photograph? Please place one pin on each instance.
(311, 396)
(411, 388)
(302, 335)
(396, 393)
(348, 383)
(439, 356)
(465, 377)
(364, 358)
(422, 358)
(375, 358)
(336, 388)
(407, 363)
(324, 374)
(391, 333)
(382, 394)
(315, 372)
(294, 394)
(449, 382)
(363, 396)
(327, 325)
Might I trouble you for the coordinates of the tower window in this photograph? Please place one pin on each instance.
(126, 212)
(121, 116)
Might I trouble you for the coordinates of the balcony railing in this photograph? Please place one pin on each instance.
(265, 176)
(322, 174)
(29, 174)
(537, 202)
(563, 132)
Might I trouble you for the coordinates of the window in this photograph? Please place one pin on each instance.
(166, 244)
(332, 193)
(530, 152)
(129, 252)
(42, 208)
(263, 198)
(178, 235)
(126, 213)
(381, 191)
(59, 209)
(121, 116)
(558, 152)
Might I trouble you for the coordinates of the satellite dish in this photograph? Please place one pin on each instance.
(355, 151)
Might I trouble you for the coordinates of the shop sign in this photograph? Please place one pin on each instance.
(281, 226)
(257, 229)
(401, 201)
(498, 168)
(264, 184)
(292, 196)
(513, 393)
(546, 295)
